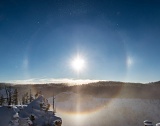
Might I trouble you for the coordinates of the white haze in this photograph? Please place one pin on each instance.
(52, 80)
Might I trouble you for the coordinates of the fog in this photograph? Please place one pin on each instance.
(122, 112)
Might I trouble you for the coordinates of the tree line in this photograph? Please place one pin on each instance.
(10, 97)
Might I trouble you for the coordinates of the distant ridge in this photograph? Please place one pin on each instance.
(103, 81)
(106, 89)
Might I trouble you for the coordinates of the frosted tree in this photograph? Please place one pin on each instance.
(1, 100)
(15, 97)
(23, 100)
(8, 94)
(31, 96)
(26, 98)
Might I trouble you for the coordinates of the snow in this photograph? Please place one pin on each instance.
(21, 115)
(16, 115)
(5, 115)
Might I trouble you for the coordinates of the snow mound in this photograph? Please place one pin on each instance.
(35, 113)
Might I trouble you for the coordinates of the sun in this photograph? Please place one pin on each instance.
(78, 63)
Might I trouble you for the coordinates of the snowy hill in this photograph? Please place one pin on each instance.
(34, 113)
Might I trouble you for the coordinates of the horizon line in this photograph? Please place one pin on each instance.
(63, 80)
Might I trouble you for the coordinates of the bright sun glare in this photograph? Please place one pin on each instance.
(78, 64)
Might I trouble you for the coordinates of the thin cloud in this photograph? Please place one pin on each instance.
(52, 80)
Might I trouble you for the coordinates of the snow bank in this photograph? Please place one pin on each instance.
(32, 114)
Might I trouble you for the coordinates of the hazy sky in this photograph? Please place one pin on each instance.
(118, 39)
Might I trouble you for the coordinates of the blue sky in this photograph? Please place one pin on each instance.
(119, 40)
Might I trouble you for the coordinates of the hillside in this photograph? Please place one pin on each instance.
(105, 89)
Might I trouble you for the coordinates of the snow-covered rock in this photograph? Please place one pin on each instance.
(16, 115)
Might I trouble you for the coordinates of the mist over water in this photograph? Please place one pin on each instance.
(122, 112)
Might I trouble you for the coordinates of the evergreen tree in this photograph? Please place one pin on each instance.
(23, 100)
(8, 94)
(47, 108)
(36, 95)
(1, 100)
(30, 96)
(26, 98)
(15, 97)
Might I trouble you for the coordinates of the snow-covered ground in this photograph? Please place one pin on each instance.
(90, 111)
(82, 110)
(32, 114)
